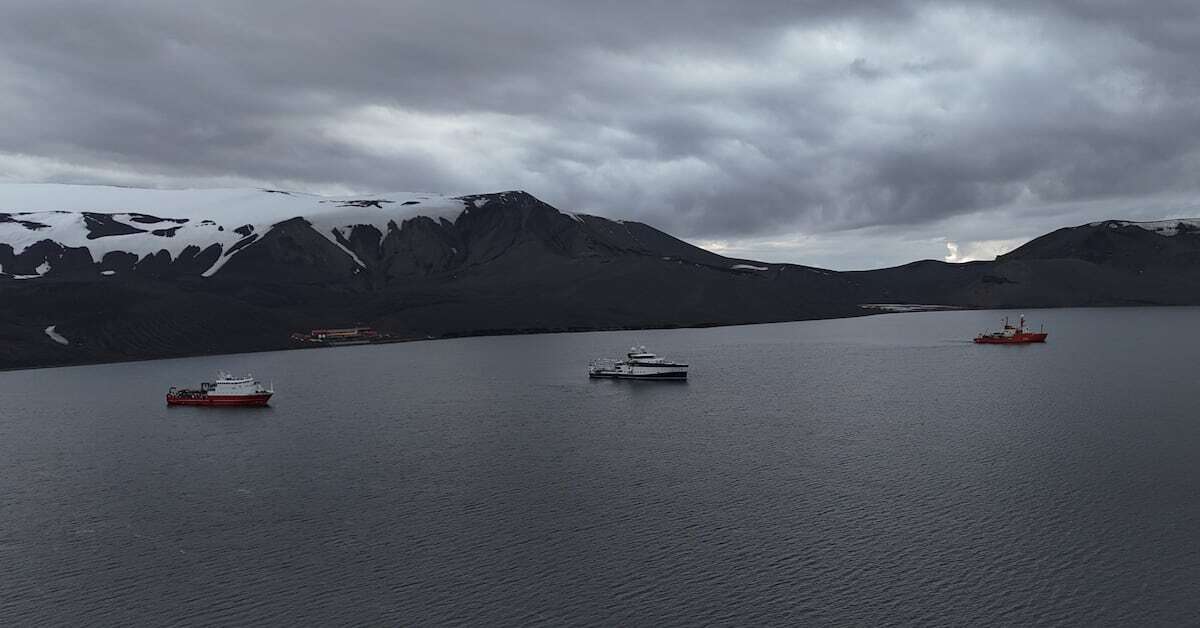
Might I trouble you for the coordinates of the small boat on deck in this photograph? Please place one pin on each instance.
(226, 390)
(1012, 335)
(638, 364)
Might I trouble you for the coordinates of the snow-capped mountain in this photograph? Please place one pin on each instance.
(206, 228)
(92, 273)
(51, 230)
(1161, 227)
(1121, 243)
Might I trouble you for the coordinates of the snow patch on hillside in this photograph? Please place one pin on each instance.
(897, 308)
(748, 267)
(42, 269)
(55, 336)
(1161, 227)
(199, 218)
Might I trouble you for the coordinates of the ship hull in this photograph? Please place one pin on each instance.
(1019, 339)
(255, 401)
(676, 376)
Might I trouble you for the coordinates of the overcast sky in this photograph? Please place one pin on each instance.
(845, 134)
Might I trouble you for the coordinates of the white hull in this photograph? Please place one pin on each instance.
(639, 374)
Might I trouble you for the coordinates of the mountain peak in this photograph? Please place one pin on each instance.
(1122, 243)
(1167, 228)
(52, 229)
(144, 223)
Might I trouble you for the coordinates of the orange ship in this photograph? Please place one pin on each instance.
(1011, 335)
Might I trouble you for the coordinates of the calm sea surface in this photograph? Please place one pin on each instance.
(873, 471)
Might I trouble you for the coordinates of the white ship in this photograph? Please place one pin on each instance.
(638, 364)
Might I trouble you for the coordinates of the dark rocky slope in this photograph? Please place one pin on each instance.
(510, 264)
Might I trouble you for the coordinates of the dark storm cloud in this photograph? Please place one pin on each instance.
(710, 118)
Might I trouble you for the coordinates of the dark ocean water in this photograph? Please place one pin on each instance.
(872, 471)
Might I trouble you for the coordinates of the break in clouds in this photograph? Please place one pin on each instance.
(844, 134)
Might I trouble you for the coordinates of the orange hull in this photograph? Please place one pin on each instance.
(220, 400)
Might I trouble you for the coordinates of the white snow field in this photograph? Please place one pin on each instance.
(199, 217)
(1162, 227)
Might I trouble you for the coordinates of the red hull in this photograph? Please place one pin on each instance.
(1019, 339)
(220, 400)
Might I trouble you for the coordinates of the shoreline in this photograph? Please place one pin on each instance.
(871, 309)
(452, 336)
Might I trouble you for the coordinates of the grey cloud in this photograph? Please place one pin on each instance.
(862, 68)
(710, 119)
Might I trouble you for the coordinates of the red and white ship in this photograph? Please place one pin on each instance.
(225, 391)
(1011, 335)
